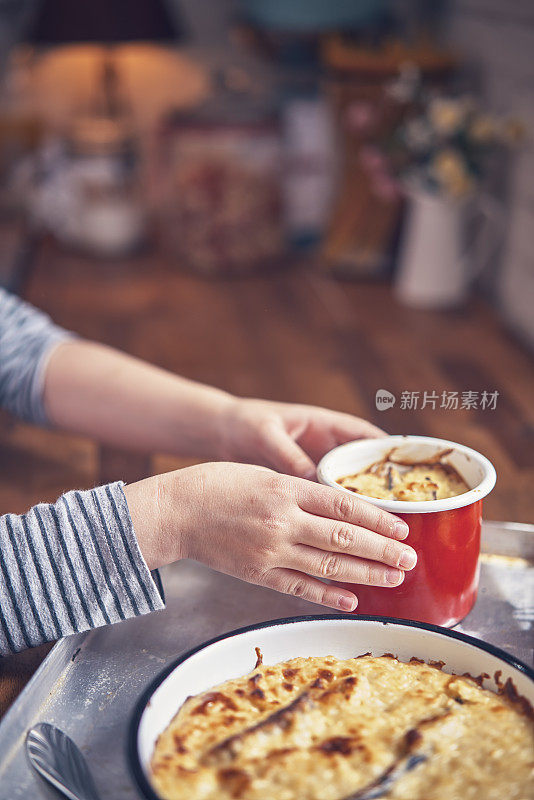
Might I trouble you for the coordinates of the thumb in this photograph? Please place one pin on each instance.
(285, 454)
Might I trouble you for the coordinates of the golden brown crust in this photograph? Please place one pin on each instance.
(330, 729)
(431, 479)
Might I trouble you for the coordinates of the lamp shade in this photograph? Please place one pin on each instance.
(59, 22)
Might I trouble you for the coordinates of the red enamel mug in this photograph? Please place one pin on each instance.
(442, 587)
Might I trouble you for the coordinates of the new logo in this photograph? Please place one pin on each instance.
(384, 399)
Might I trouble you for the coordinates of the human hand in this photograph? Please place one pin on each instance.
(269, 529)
(287, 437)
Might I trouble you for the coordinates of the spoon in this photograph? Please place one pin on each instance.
(55, 756)
(384, 783)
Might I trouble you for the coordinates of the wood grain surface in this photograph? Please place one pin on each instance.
(294, 335)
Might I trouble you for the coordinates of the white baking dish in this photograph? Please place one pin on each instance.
(232, 654)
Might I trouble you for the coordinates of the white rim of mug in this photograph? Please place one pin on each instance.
(327, 474)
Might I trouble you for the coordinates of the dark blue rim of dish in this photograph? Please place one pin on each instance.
(134, 763)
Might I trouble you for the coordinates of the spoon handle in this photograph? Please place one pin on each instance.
(55, 756)
(385, 782)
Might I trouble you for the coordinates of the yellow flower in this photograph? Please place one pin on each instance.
(446, 115)
(451, 172)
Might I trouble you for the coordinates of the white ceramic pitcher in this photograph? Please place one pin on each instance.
(436, 266)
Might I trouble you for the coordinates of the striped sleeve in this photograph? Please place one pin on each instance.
(27, 338)
(70, 566)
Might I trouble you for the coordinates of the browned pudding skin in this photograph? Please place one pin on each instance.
(259, 657)
(210, 699)
(422, 480)
(310, 731)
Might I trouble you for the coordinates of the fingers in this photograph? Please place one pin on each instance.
(317, 442)
(336, 504)
(328, 429)
(284, 453)
(354, 540)
(348, 428)
(295, 583)
(340, 567)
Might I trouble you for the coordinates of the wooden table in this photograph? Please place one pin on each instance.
(295, 335)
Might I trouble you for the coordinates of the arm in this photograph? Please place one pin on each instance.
(270, 529)
(27, 339)
(78, 564)
(69, 566)
(121, 400)
(47, 375)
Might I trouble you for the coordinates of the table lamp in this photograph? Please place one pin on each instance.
(107, 23)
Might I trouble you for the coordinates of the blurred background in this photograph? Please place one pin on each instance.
(305, 200)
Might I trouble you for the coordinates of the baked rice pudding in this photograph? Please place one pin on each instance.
(394, 478)
(322, 728)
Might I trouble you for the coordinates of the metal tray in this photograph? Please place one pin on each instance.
(88, 684)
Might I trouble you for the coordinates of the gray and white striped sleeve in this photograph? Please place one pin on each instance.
(69, 566)
(27, 338)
